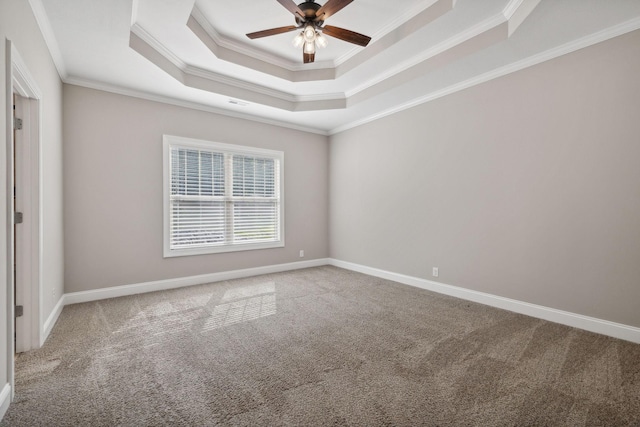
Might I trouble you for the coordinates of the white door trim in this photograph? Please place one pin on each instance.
(31, 335)
(20, 81)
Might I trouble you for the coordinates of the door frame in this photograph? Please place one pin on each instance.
(19, 81)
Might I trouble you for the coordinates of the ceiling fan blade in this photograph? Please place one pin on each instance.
(271, 32)
(331, 7)
(346, 35)
(292, 7)
(308, 57)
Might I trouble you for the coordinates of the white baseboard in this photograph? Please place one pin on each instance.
(592, 324)
(161, 285)
(605, 327)
(51, 320)
(5, 399)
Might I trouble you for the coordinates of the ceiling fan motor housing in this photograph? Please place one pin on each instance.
(309, 8)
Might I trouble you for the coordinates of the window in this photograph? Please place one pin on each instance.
(221, 197)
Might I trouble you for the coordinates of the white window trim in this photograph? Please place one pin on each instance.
(178, 141)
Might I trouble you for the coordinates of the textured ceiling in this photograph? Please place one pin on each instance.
(195, 53)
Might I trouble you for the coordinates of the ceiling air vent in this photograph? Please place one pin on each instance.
(239, 103)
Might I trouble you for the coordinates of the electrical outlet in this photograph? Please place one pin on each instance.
(301, 253)
(434, 273)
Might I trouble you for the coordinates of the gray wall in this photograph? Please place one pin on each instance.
(18, 24)
(113, 189)
(527, 187)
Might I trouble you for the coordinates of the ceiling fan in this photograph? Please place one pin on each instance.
(310, 17)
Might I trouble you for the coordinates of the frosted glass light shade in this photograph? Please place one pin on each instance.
(298, 40)
(309, 47)
(309, 34)
(321, 40)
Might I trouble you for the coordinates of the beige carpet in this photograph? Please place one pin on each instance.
(321, 346)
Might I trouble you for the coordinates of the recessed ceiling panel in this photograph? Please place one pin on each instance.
(413, 56)
(233, 20)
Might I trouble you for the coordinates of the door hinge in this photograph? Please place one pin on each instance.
(17, 217)
(17, 123)
(19, 311)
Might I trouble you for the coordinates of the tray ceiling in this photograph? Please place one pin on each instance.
(196, 54)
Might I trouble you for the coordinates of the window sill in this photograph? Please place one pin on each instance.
(170, 253)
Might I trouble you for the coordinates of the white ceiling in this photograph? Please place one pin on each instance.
(195, 52)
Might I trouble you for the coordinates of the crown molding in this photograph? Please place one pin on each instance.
(487, 32)
(150, 48)
(470, 33)
(264, 63)
(207, 80)
(321, 97)
(492, 23)
(154, 43)
(118, 90)
(398, 23)
(134, 11)
(511, 8)
(238, 89)
(241, 84)
(241, 48)
(567, 48)
(517, 11)
(49, 37)
(436, 10)
(240, 54)
(407, 16)
(584, 42)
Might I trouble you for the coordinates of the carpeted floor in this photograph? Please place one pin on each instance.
(321, 346)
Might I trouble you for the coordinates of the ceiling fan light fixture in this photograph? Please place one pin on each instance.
(298, 40)
(309, 47)
(310, 17)
(309, 33)
(321, 40)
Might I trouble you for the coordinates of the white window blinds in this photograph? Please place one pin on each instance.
(221, 197)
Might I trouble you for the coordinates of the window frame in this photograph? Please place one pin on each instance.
(170, 141)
